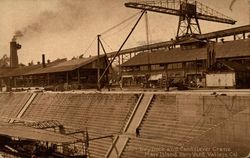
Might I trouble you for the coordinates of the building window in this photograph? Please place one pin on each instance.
(144, 68)
(190, 64)
(175, 66)
(127, 69)
(201, 63)
(170, 66)
(157, 67)
(196, 64)
(136, 68)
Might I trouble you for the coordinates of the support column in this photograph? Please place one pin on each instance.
(119, 66)
(32, 82)
(67, 77)
(196, 68)
(27, 81)
(78, 75)
(14, 78)
(122, 59)
(48, 82)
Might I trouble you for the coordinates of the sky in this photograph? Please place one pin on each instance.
(68, 28)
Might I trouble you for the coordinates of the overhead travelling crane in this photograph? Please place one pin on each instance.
(189, 12)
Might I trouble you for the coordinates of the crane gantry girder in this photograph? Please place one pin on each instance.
(189, 12)
(172, 7)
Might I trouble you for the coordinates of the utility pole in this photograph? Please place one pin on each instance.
(117, 53)
(147, 27)
(147, 38)
(98, 64)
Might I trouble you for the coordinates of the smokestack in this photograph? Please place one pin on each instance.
(14, 46)
(43, 60)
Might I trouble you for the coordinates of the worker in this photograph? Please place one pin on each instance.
(168, 84)
(137, 131)
(120, 83)
(110, 84)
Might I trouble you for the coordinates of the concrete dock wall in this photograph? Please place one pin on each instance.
(226, 117)
(230, 116)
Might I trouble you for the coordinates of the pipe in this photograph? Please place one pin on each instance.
(43, 60)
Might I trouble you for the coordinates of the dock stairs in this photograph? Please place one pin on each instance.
(133, 123)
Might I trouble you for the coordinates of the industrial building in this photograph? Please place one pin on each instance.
(80, 73)
(189, 60)
(186, 61)
(57, 75)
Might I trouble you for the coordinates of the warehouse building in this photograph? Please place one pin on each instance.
(187, 63)
(58, 75)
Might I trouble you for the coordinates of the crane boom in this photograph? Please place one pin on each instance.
(189, 12)
(203, 12)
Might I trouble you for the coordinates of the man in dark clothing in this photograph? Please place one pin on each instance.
(137, 131)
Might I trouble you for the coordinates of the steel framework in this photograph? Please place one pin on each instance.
(189, 12)
(239, 31)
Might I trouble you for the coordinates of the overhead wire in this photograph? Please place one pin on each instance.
(115, 29)
(106, 44)
(106, 34)
(89, 46)
(112, 28)
(119, 30)
(115, 33)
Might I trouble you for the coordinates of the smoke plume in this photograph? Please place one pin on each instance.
(68, 16)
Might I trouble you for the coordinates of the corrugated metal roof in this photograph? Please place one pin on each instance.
(3, 71)
(64, 66)
(206, 36)
(26, 69)
(57, 66)
(24, 132)
(238, 48)
(19, 71)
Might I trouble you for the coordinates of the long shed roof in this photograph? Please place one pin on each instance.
(63, 66)
(53, 67)
(229, 49)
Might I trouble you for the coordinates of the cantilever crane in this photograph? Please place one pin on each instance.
(189, 13)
